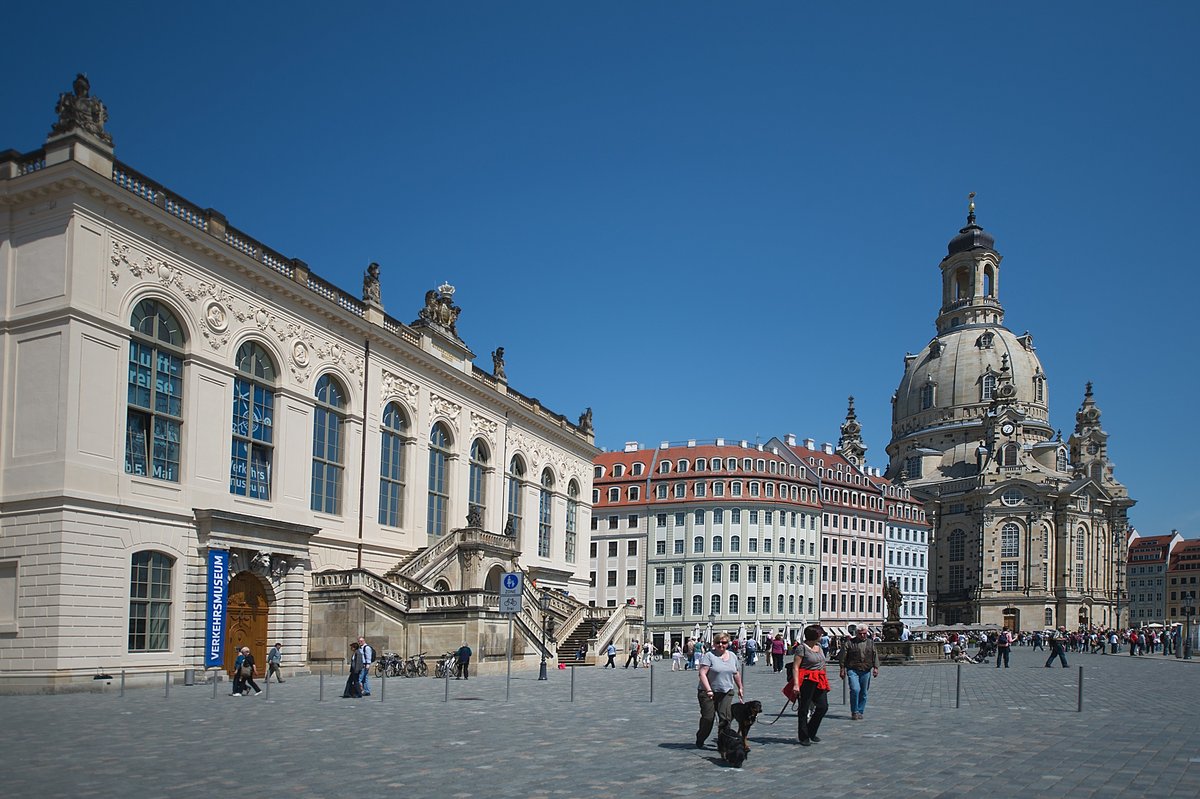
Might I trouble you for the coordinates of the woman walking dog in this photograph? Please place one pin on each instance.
(811, 684)
(719, 677)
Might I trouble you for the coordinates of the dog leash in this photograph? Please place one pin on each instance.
(786, 705)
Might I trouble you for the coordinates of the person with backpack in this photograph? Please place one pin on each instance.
(1058, 649)
(1003, 646)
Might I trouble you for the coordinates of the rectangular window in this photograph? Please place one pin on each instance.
(633, 521)
(750, 603)
(613, 522)
(753, 544)
(612, 549)
(660, 547)
(699, 489)
(631, 577)
(660, 576)
(631, 547)
(679, 547)
(752, 574)
(676, 607)
(612, 578)
(150, 602)
(679, 520)
(677, 575)
(1008, 576)
(659, 605)
(660, 520)
(956, 578)
(593, 549)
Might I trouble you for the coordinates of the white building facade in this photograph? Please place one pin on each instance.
(171, 386)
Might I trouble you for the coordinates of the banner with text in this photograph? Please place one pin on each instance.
(218, 585)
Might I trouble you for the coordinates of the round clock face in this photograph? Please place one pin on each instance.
(1007, 429)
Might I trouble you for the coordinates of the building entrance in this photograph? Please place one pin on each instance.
(1012, 620)
(247, 610)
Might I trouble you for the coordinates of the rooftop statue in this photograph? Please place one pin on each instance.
(81, 111)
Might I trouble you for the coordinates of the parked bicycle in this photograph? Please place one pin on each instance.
(415, 666)
(389, 664)
(448, 666)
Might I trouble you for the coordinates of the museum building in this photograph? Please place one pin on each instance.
(172, 385)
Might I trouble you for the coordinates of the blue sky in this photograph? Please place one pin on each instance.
(701, 219)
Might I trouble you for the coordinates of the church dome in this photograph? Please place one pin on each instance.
(972, 237)
(956, 365)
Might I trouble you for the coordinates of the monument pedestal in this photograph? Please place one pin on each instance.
(909, 653)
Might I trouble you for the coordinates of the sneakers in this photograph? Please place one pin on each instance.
(856, 716)
(805, 742)
(814, 739)
(256, 693)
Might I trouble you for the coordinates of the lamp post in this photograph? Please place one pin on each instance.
(1189, 610)
(545, 604)
(1120, 567)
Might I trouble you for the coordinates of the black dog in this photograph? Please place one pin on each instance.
(745, 714)
(731, 747)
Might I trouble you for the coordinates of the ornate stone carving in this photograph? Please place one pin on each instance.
(440, 311)
(80, 111)
(474, 517)
(498, 364)
(585, 422)
(482, 426)
(396, 386)
(445, 407)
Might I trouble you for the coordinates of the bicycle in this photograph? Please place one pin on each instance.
(447, 666)
(387, 664)
(415, 666)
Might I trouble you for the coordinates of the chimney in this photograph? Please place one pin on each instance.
(691, 442)
(758, 447)
(827, 448)
(810, 444)
(744, 444)
(720, 442)
(790, 439)
(631, 446)
(665, 445)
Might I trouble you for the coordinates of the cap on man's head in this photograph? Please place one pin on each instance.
(279, 643)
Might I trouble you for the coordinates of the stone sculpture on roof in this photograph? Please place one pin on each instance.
(80, 111)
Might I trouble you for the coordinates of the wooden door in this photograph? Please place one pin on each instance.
(247, 609)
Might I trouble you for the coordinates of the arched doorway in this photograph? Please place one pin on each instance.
(1012, 620)
(492, 583)
(247, 610)
(1083, 617)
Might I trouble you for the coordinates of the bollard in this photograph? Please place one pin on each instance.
(122, 683)
(321, 692)
(446, 674)
(383, 685)
(267, 696)
(214, 679)
(1079, 709)
(651, 667)
(573, 683)
(957, 684)
(167, 694)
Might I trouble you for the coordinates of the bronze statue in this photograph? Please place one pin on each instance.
(893, 597)
(498, 364)
(371, 291)
(81, 111)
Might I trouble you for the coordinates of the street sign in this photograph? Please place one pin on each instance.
(510, 592)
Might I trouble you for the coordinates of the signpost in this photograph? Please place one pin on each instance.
(511, 587)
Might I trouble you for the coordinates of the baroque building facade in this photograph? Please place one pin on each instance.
(172, 386)
(707, 533)
(1029, 531)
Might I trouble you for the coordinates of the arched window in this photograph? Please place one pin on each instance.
(1049, 618)
(927, 396)
(989, 282)
(154, 410)
(735, 543)
(438, 519)
(715, 604)
(988, 387)
(697, 574)
(481, 458)
(1010, 540)
(516, 490)
(698, 544)
(791, 574)
(328, 446)
(716, 572)
(619, 470)
(1061, 459)
(962, 284)
(780, 605)
(697, 605)
(1039, 389)
(150, 602)
(253, 423)
(735, 573)
(958, 545)
(733, 603)
(545, 513)
(392, 466)
(791, 604)
(1008, 454)
(572, 519)
(780, 573)
(718, 516)
(699, 518)
(716, 543)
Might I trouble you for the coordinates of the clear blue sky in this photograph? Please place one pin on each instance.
(701, 219)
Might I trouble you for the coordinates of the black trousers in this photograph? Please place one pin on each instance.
(353, 686)
(816, 701)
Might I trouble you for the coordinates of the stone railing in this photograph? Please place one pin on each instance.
(363, 580)
(622, 614)
(14, 164)
(449, 600)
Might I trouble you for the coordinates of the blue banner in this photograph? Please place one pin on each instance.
(218, 586)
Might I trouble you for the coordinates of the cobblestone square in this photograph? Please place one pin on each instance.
(1135, 737)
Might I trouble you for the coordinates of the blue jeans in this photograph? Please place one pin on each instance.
(860, 681)
(362, 678)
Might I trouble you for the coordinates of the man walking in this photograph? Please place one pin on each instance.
(859, 663)
(368, 657)
(634, 650)
(1058, 649)
(464, 661)
(274, 656)
(612, 653)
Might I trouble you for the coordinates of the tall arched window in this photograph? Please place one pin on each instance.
(253, 423)
(989, 386)
(1008, 454)
(735, 543)
(481, 457)
(927, 396)
(328, 447)
(437, 519)
(545, 513)
(697, 605)
(516, 489)
(697, 573)
(735, 572)
(572, 519)
(715, 604)
(716, 572)
(393, 437)
(733, 603)
(154, 414)
(1060, 460)
(150, 602)
(1010, 540)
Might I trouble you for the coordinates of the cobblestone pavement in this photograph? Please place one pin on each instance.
(1137, 736)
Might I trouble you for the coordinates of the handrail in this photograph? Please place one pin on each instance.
(364, 580)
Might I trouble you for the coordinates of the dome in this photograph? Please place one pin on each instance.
(954, 365)
(972, 237)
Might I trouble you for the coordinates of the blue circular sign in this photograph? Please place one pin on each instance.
(510, 581)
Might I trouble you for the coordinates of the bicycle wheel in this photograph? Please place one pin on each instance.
(380, 668)
(422, 670)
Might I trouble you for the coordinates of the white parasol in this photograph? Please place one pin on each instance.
(741, 636)
(758, 631)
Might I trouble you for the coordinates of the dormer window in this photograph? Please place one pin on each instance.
(986, 341)
(638, 469)
(619, 470)
(927, 396)
(988, 387)
(1039, 389)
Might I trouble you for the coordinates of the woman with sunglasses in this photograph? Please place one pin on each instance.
(719, 678)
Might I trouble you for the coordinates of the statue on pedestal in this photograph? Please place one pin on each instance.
(371, 292)
(81, 111)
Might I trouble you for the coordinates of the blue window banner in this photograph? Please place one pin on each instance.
(218, 588)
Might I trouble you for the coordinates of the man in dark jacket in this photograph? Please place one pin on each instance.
(860, 662)
(464, 661)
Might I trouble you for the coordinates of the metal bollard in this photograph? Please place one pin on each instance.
(651, 667)
(957, 684)
(321, 692)
(167, 694)
(214, 680)
(573, 683)
(267, 696)
(1079, 709)
(122, 683)
(446, 674)
(383, 685)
